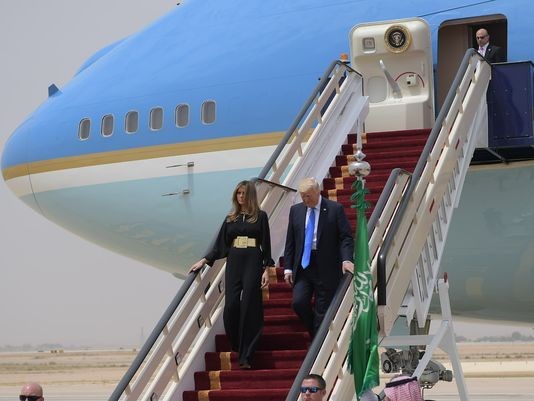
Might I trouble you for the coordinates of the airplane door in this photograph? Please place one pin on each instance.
(395, 59)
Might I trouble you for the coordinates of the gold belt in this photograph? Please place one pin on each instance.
(244, 242)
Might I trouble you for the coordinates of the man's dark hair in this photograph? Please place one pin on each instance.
(318, 378)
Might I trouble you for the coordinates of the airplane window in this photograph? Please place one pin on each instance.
(132, 122)
(182, 115)
(156, 118)
(208, 112)
(107, 125)
(84, 129)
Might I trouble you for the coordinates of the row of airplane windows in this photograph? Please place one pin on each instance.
(131, 120)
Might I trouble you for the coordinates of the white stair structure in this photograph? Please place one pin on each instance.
(406, 241)
(165, 366)
(408, 235)
(433, 194)
(444, 338)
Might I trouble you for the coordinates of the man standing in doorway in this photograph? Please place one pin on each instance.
(492, 53)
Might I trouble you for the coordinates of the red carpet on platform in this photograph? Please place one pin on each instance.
(285, 341)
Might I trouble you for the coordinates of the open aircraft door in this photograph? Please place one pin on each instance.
(395, 59)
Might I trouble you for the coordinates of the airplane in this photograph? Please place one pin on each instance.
(139, 152)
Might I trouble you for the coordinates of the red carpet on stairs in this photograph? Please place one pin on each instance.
(285, 341)
(384, 151)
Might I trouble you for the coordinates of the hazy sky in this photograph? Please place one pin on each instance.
(55, 287)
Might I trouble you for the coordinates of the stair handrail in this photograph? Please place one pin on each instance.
(190, 279)
(333, 78)
(343, 333)
(317, 91)
(153, 337)
(333, 108)
(344, 385)
(442, 120)
(379, 220)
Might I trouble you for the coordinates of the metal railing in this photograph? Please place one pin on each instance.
(166, 363)
(442, 166)
(409, 259)
(330, 345)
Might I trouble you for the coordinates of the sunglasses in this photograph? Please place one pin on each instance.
(29, 397)
(311, 389)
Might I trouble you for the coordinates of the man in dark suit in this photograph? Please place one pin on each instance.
(494, 54)
(319, 249)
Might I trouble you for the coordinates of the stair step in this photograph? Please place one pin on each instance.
(370, 136)
(274, 359)
(346, 182)
(272, 394)
(349, 149)
(383, 166)
(372, 186)
(239, 379)
(277, 306)
(270, 341)
(376, 157)
(282, 324)
(279, 291)
(344, 199)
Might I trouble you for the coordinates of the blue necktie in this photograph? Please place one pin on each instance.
(308, 239)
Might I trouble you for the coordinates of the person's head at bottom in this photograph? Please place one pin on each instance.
(31, 392)
(313, 388)
(403, 388)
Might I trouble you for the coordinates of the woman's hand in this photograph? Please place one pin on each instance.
(265, 278)
(198, 265)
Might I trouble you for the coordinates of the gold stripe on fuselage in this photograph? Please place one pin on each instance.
(143, 153)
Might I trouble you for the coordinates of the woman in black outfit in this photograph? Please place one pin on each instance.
(244, 239)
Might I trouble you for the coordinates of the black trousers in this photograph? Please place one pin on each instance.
(306, 286)
(243, 309)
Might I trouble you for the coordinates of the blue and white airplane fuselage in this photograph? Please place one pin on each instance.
(213, 86)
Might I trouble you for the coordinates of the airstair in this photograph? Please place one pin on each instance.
(165, 366)
(407, 231)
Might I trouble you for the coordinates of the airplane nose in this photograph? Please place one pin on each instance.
(14, 165)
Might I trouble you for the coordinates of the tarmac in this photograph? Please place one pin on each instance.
(479, 389)
(500, 372)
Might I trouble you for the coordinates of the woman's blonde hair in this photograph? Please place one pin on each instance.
(251, 206)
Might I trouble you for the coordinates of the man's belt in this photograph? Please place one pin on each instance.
(244, 242)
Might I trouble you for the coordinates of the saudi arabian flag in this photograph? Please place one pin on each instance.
(363, 349)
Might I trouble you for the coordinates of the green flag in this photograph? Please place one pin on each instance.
(363, 348)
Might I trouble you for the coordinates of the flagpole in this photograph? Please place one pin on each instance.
(363, 350)
(359, 168)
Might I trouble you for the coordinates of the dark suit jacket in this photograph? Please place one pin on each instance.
(494, 54)
(334, 241)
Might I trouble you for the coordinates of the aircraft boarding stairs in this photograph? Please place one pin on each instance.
(407, 231)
